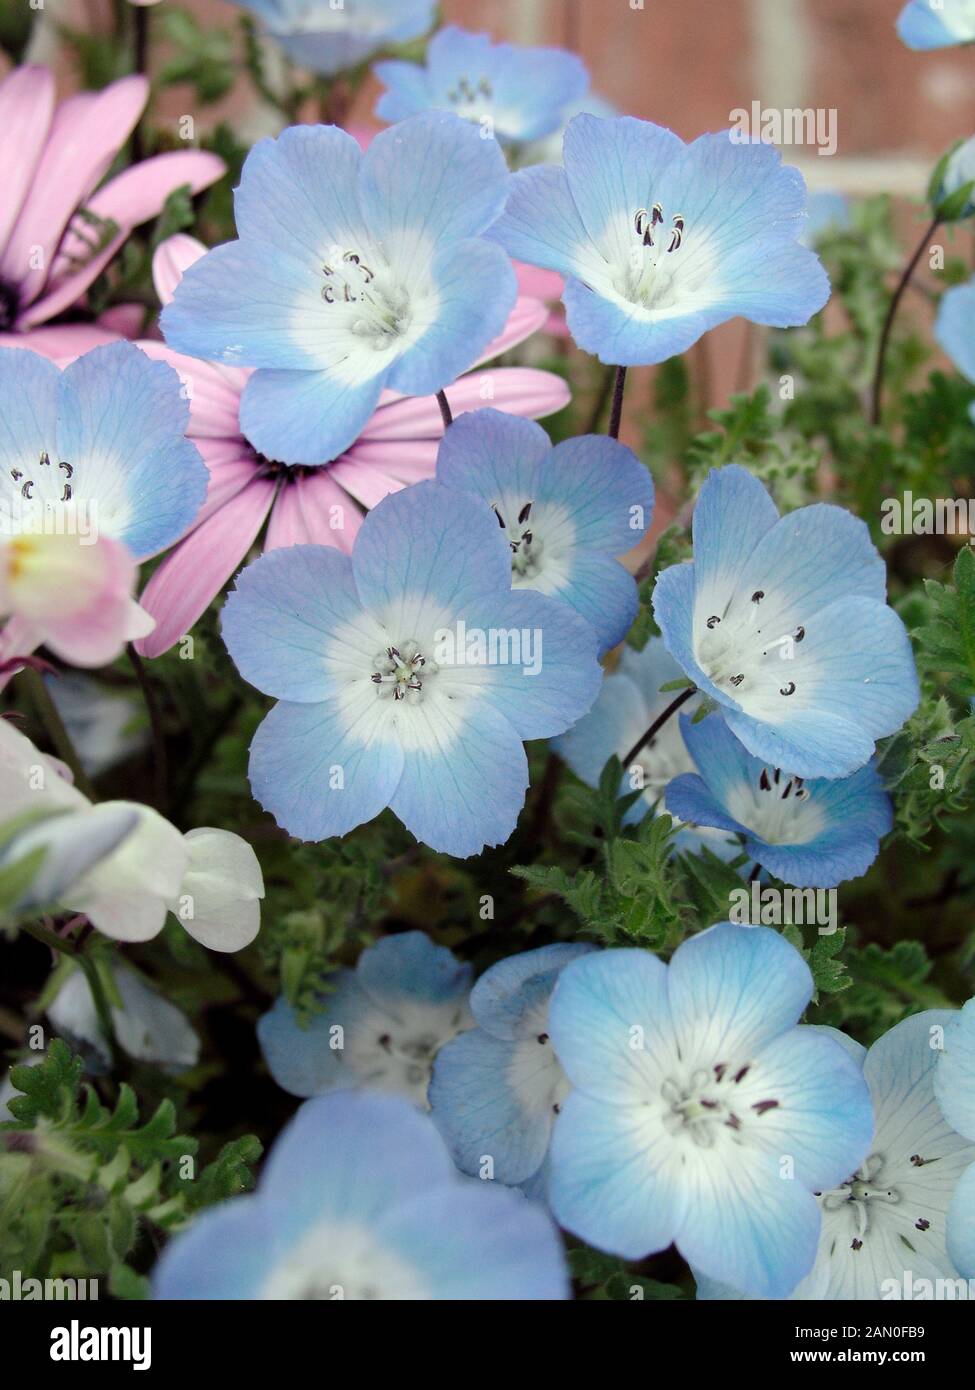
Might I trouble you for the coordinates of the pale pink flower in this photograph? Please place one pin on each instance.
(58, 228)
(73, 595)
(307, 505)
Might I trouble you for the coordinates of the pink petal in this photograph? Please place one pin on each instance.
(287, 525)
(533, 280)
(26, 108)
(86, 134)
(404, 460)
(133, 197)
(230, 472)
(17, 638)
(367, 485)
(175, 255)
(125, 320)
(364, 134)
(62, 343)
(190, 577)
(214, 391)
(518, 390)
(526, 318)
(331, 517)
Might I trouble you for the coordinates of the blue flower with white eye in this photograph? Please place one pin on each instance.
(954, 330)
(514, 93)
(497, 1089)
(660, 241)
(359, 1200)
(784, 622)
(926, 24)
(700, 1114)
(884, 1227)
(628, 703)
(328, 38)
(954, 1086)
(566, 512)
(353, 273)
(97, 449)
(408, 674)
(813, 834)
(382, 1023)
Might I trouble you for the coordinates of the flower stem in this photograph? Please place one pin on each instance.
(60, 946)
(445, 410)
(902, 284)
(47, 712)
(158, 735)
(658, 723)
(616, 415)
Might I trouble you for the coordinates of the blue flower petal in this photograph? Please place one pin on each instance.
(411, 966)
(954, 327)
(494, 456)
(226, 1253)
(306, 417)
(29, 386)
(690, 799)
(733, 989)
(961, 1225)
(303, 1059)
(605, 489)
(922, 26)
(277, 621)
(507, 994)
(541, 224)
(603, 592)
(321, 773)
(121, 418)
(954, 1078)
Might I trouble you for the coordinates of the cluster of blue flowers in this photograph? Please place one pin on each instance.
(451, 1127)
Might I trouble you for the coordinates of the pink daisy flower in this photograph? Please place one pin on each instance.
(321, 505)
(57, 233)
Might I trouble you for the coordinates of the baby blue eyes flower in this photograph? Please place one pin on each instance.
(566, 512)
(926, 24)
(814, 834)
(409, 674)
(884, 1226)
(99, 445)
(955, 329)
(784, 622)
(512, 93)
(359, 1200)
(660, 241)
(382, 1025)
(327, 38)
(700, 1114)
(497, 1089)
(954, 1086)
(353, 273)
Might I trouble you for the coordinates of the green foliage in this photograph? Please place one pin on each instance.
(600, 1276)
(947, 639)
(83, 1182)
(203, 57)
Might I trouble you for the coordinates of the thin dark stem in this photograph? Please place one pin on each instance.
(616, 415)
(445, 410)
(59, 945)
(658, 723)
(756, 871)
(161, 771)
(47, 712)
(140, 62)
(551, 777)
(902, 284)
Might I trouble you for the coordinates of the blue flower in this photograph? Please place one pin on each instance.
(497, 1089)
(660, 241)
(353, 273)
(327, 38)
(954, 329)
(628, 703)
(359, 1200)
(783, 621)
(566, 512)
(381, 1026)
(954, 1087)
(512, 93)
(700, 1114)
(814, 834)
(100, 445)
(926, 24)
(409, 674)
(883, 1227)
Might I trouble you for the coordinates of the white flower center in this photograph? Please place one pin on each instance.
(472, 99)
(864, 1195)
(49, 479)
(400, 672)
(750, 663)
(777, 808)
(369, 302)
(647, 278)
(526, 547)
(337, 1261)
(702, 1105)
